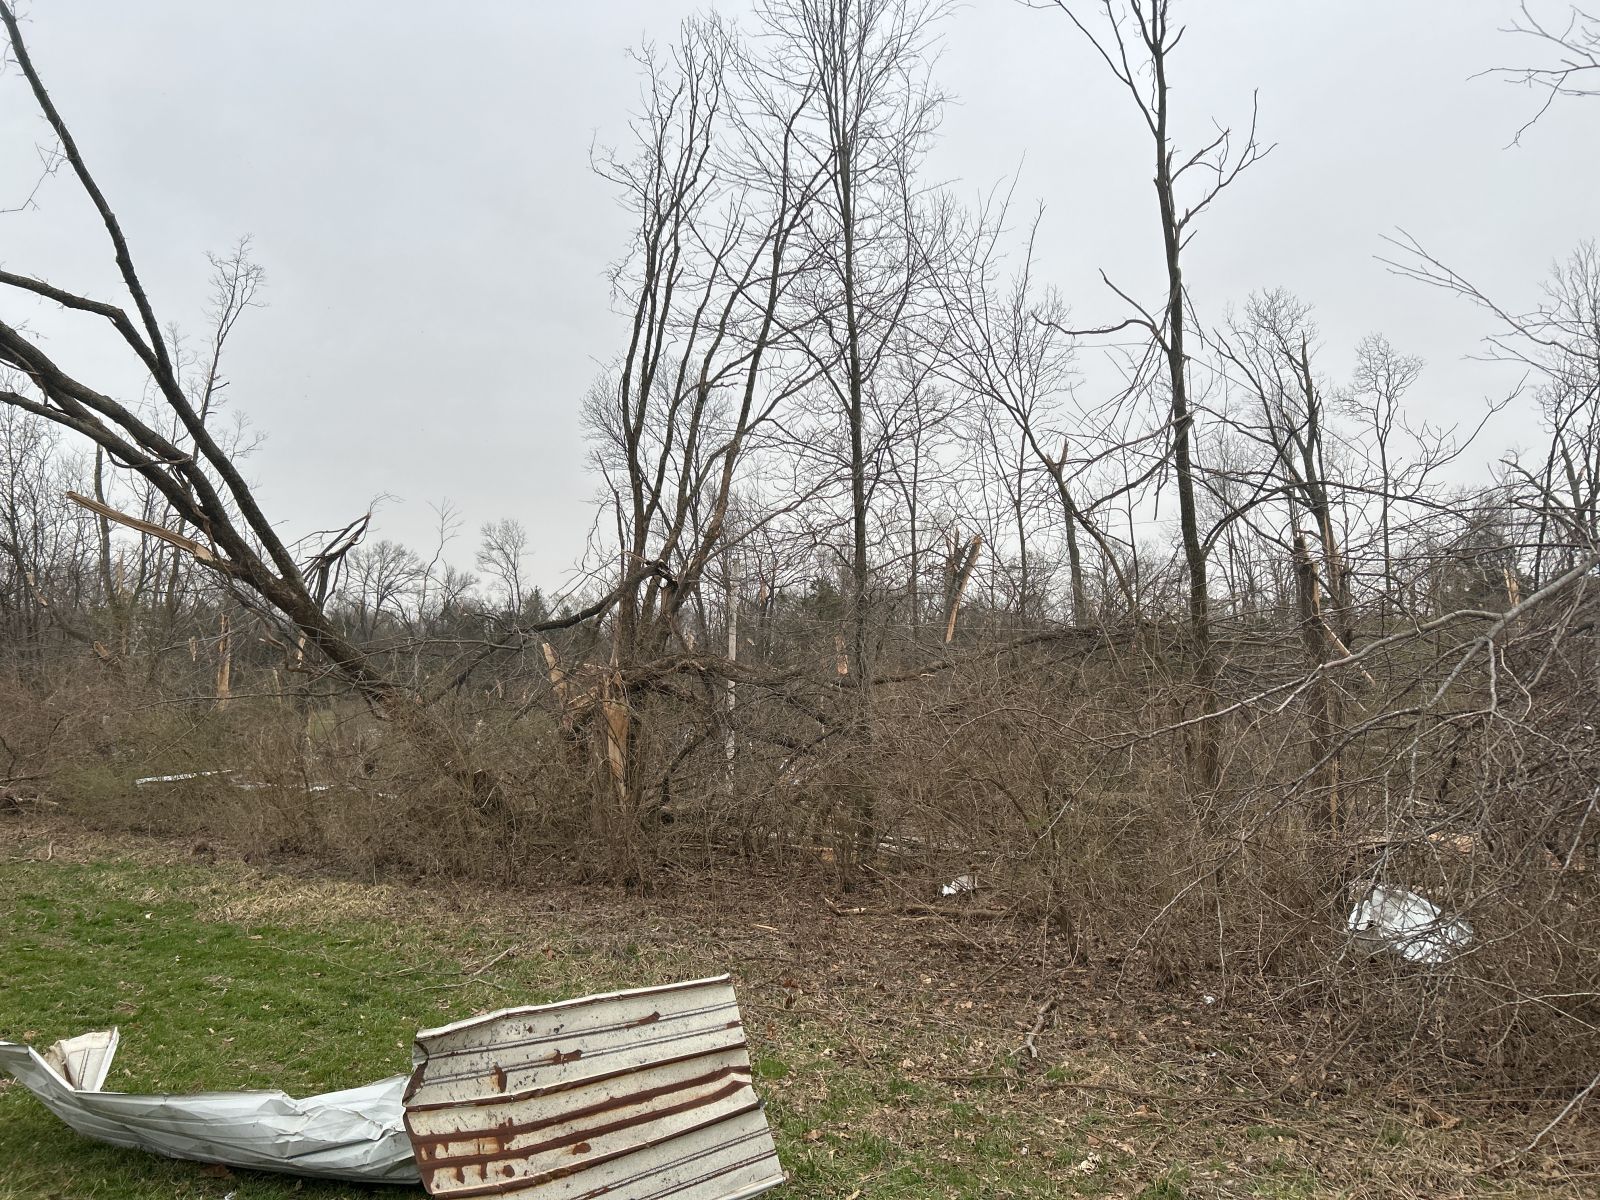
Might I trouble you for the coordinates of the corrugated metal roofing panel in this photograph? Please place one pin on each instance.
(351, 1134)
(631, 1095)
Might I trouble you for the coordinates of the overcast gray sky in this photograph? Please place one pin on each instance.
(416, 180)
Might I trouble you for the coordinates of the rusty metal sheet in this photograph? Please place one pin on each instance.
(630, 1095)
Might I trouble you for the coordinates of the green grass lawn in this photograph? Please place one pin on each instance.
(206, 999)
(201, 1003)
(224, 976)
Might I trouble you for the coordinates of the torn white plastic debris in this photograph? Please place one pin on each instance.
(960, 885)
(356, 1134)
(1409, 924)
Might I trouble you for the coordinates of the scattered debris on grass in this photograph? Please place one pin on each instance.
(885, 1041)
(644, 1092)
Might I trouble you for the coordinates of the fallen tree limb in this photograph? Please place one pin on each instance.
(189, 546)
(1029, 1043)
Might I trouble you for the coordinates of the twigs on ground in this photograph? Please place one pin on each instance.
(1029, 1043)
(473, 975)
(1571, 1105)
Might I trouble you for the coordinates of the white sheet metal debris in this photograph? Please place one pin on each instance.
(85, 1061)
(186, 775)
(356, 1134)
(1409, 924)
(630, 1095)
(244, 785)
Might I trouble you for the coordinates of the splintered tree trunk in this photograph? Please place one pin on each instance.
(958, 574)
(110, 577)
(1080, 592)
(616, 730)
(224, 664)
(1322, 700)
(730, 697)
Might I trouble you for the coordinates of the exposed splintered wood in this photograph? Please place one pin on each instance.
(188, 545)
(606, 694)
(618, 725)
(224, 663)
(958, 575)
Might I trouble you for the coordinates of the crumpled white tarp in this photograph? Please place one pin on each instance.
(1411, 925)
(357, 1134)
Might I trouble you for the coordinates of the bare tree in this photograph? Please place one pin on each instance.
(1136, 44)
(915, 455)
(1557, 341)
(1383, 376)
(1006, 342)
(866, 110)
(719, 192)
(861, 67)
(502, 552)
(1270, 350)
(44, 539)
(381, 581)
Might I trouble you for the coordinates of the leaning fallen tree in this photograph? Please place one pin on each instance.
(223, 526)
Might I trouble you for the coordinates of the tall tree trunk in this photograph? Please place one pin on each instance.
(1321, 699)
(1205, 668)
